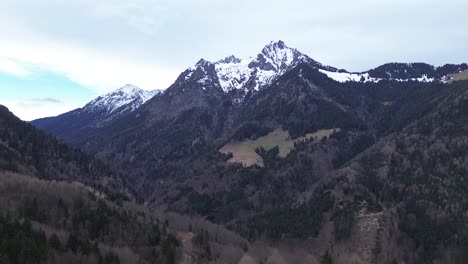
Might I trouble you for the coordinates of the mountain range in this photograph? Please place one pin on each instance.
(279, 148)
(236, 77)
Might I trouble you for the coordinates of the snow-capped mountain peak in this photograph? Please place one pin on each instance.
(254, 72)
(280, 56)
(128, 89)
(123, 100)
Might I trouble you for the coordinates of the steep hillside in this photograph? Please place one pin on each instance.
(59, 205)
(27, 150)
(420, 174)
(60, 222)
(45, 221)
(409, 188)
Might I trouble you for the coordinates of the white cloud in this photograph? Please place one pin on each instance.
(91, 68)
(32, 109)
(145, 16)
(13, 67)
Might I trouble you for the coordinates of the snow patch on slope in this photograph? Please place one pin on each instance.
(349, 77)
(364, 77)
(233, 75)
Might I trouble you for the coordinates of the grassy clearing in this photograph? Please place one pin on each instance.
(246, 259)
(460, 76)
(244, 151)
(276, 258)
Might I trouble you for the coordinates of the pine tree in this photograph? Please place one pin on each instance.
(326, 258)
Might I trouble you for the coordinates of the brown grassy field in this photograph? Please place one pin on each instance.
(244, 151)
(460, 76)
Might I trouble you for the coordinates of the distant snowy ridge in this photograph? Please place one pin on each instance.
(125, 99)
(275, 59)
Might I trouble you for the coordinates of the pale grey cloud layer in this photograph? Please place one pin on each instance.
(46, 100)
(103, 44)
(30, 109)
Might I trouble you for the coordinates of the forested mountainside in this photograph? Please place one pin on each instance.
(43, 221)
(59, 205)
(27, 150)
(413, 185)
(400, 201)
(367, 167)
(59, 222)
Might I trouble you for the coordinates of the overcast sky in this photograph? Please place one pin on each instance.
(56, 55)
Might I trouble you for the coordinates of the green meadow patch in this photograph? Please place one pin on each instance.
(244, 152)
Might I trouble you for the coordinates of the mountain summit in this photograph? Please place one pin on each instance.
(253, 73)
(75, 126)
(123, 100)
